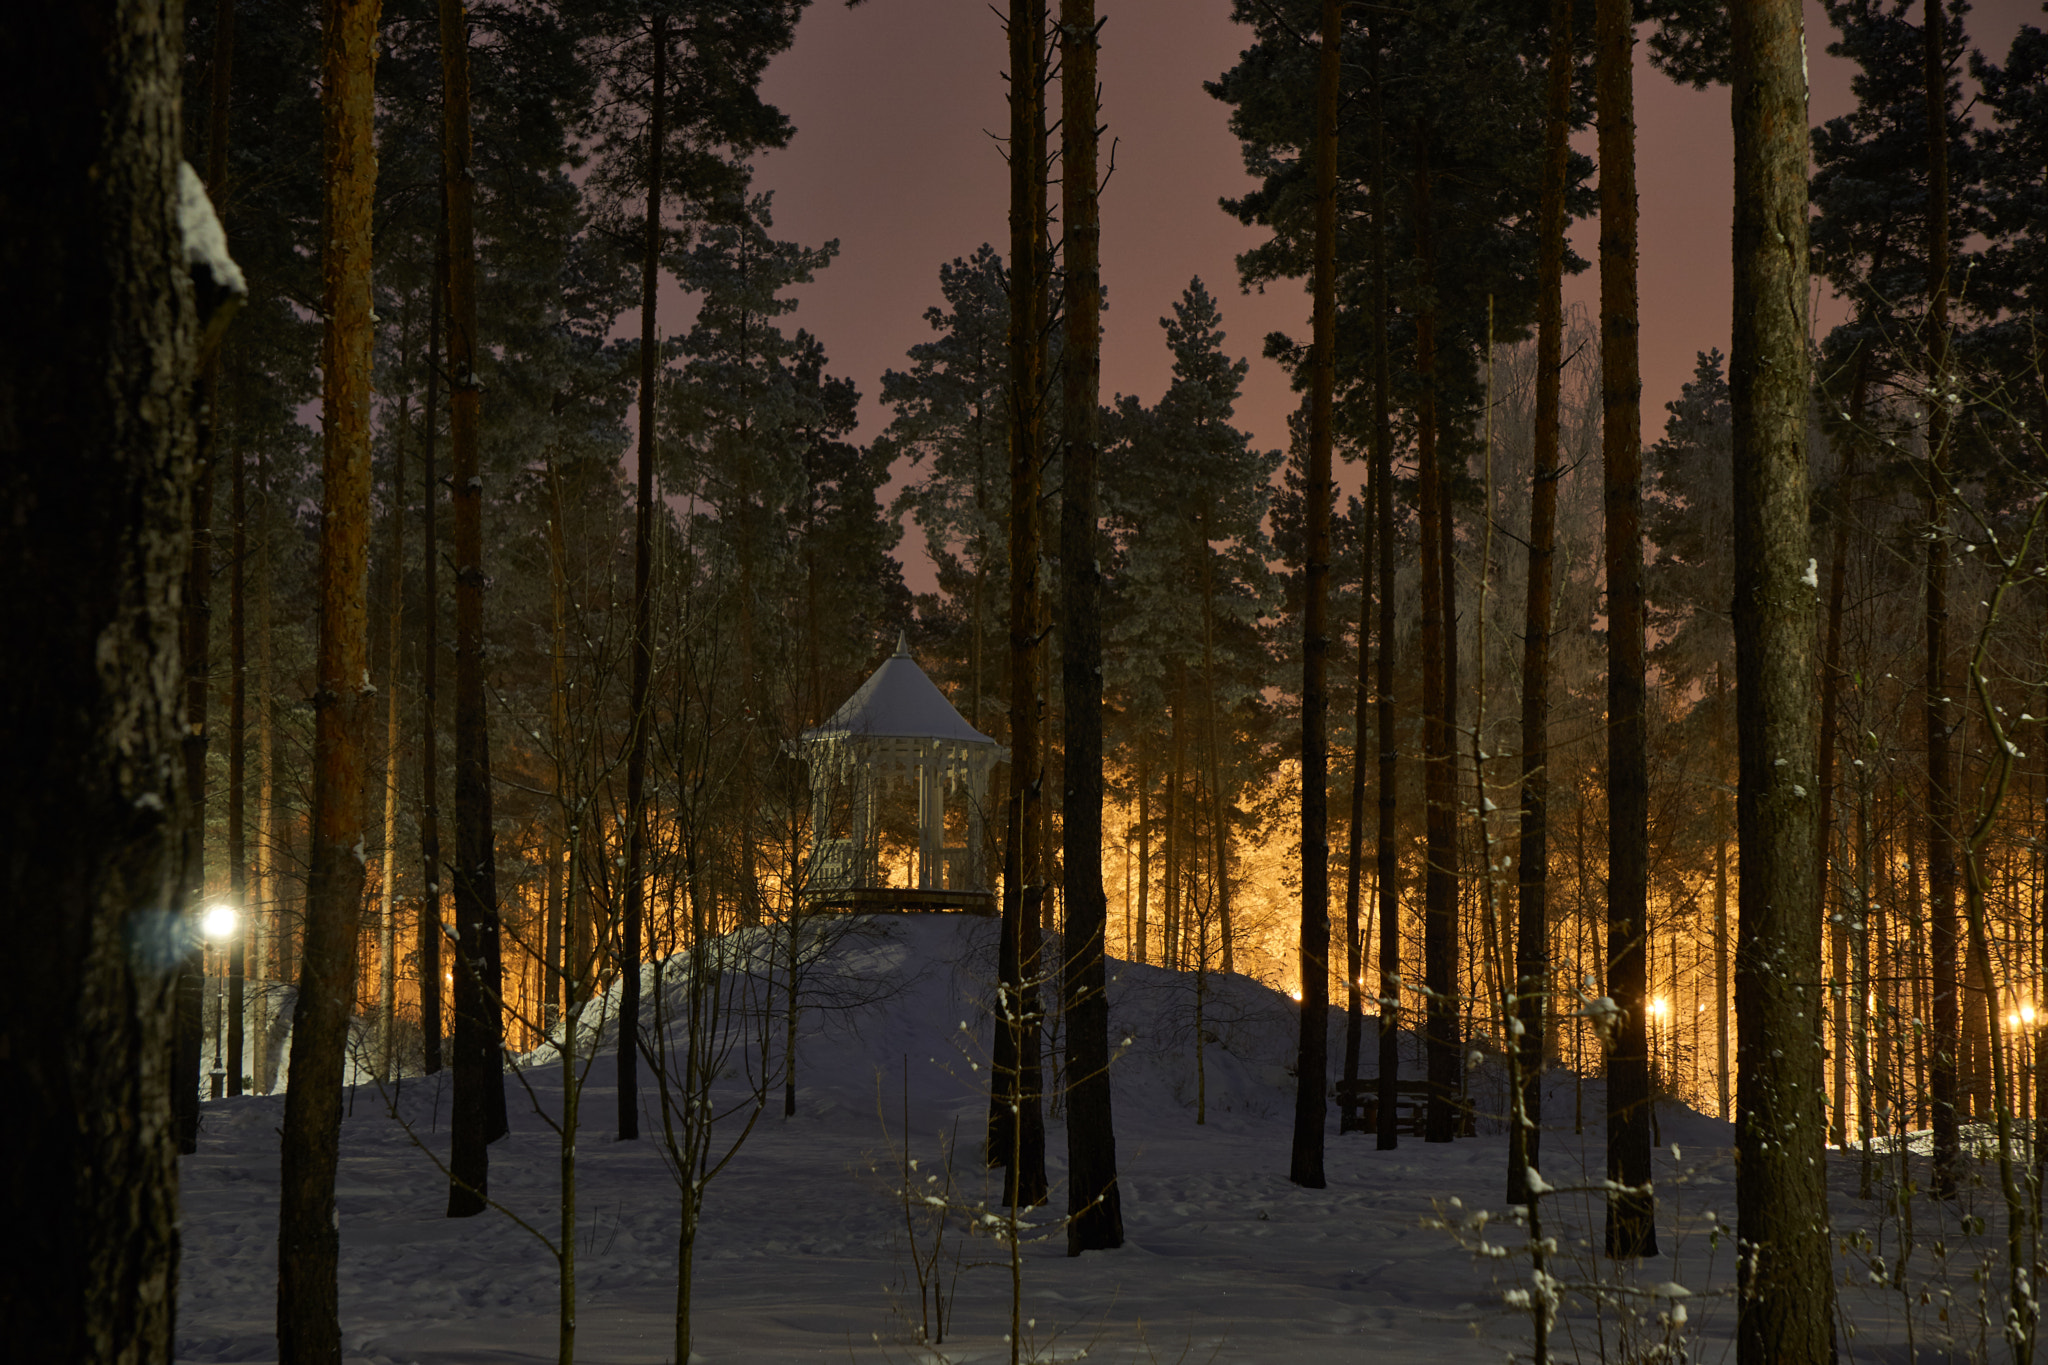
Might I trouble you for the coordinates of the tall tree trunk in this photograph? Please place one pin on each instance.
(1354, 861)
(1830, 692)
(1786, 1287)
(308, 1314)
(97, 363)
(1439, 688)
(1143, 753)
(429, 668)
(1630, 1229)
(478, 1114)
(1305, 1165)
(632, 931)
(1387, 851)
(1722, 1053)
(219, 88)
(1942, 811)
(387, 921)
(1094, 1205)
(1532, 908)
(266, 909)
(1016, 1136)
(431, 926)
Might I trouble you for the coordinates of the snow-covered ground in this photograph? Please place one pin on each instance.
(804, 1255)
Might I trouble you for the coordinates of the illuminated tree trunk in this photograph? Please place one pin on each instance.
(1630, 1229)
(1532, 909)
(1940, 722)
(429, 668)
(1387, 852)
(308, 1322)
(1785, 1281)
(1305, 1166)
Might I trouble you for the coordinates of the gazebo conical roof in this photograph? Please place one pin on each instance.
(898, 702)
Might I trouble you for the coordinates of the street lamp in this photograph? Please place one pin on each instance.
(218, 925)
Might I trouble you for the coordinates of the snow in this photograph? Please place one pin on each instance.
(199, 228)
(1408, 1256)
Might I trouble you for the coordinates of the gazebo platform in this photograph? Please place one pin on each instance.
(873, 900)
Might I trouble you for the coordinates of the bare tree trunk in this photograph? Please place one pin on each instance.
(1016, 1136)
(643, 646)
(478, 1113)
(387, 922)
(1942, 812)
(1094, 1205)
(1354, 862)
(1630, 1229)
(1305, 1165)
(308, 1314)
(265, 912)
(430, 931)
(1388, 870)
(94, 286)
(1532, 909)
(1439, 688)
(1786, 1286)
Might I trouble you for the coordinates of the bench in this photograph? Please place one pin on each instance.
(1411, 1107)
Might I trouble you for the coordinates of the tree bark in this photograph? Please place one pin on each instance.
(1785, 1282)
(1305, 1166)
(1532, 908)
(1630, 1229)
(308, 1322)
(1439, 690)
(1387, 850)
(97, 364)
(1942, 808)
(1094, 1205)
(1016, 1119)
(643, 635)
(430, 930)
(478, 1112)
(387, 922)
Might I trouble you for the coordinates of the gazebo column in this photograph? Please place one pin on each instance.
(862, 821)
(931, 822)
(978, 766)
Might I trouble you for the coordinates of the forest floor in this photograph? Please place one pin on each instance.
(803, 1255)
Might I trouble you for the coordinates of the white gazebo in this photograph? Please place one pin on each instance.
(898, 730)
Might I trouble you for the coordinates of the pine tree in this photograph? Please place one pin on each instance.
(95, 282)
(1786, 1274)
(308, 1323)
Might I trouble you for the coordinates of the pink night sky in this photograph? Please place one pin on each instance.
(896, 105)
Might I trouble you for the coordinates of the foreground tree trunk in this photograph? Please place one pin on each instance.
(430, 932)
(478, 1117)
(1630, 1229)
(308, 1322)
(1786, 1286)
(1943, 813)
(96, 451)
(1016, 1135)
(1095, 1219)
(1305, 1166)
(643, 629)
(218, 87)
(1387, 851)
(1532, 923)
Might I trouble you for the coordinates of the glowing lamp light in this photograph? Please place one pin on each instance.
(1659, 1006)
(1295, 995)
(2027, 1015)
(218, 922)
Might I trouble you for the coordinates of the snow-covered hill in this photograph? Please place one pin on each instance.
(803, 1254)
